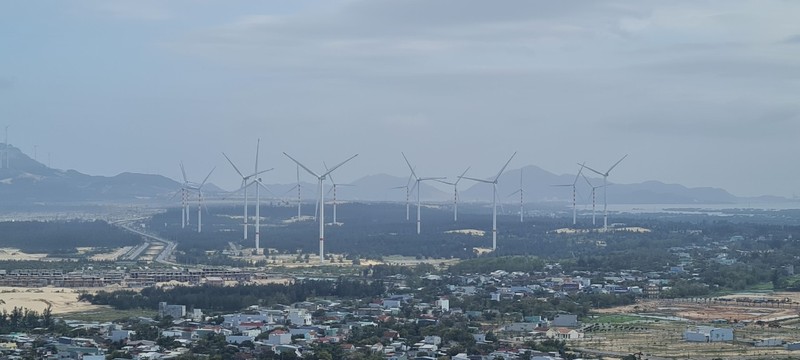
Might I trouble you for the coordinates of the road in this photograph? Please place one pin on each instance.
(169, 246)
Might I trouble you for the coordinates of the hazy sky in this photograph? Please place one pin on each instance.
(702, 93)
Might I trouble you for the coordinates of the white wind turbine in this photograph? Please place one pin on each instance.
(321, 179)
(594, 222)
(455, 192)
(333, 188)
(299, 199)
(246, 182)
(493, 181)
(408, 194)
(418, 181)
(574, 194)
(605, 188)
(521, 193)
(199, 188)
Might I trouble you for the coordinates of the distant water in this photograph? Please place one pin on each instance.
(712, 209)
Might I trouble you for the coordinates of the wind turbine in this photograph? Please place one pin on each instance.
(246, 183)
(605, 188)
(333, 188)
(184, 199)
(455, 193)
(199, 188)
(417, 185)
(299, 199)
(321, 179)
(493, 181)
(593, 197)
(521, 193)
(408, 193)
(574, 194)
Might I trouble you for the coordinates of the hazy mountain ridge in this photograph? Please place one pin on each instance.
(28, 180)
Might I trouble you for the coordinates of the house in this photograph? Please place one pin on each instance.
(768, 342)
(479, 338)
(525, 327)
(299, 317)
(562, 333)
(708, 334)
(238, 339)
(175, 311)
(565, 320)
(120, 335)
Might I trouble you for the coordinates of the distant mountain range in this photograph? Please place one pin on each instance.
(28, 181)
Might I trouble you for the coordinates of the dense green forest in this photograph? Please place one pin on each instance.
(62, 237)
(234, 298)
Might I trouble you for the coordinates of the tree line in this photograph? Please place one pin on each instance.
(234, 298)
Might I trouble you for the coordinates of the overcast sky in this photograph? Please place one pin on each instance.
(701, 93)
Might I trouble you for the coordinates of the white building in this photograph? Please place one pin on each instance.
(299, 317)
(708, 334)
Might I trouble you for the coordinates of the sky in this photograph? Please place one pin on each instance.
(701, 93)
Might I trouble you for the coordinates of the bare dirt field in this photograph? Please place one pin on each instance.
(61, 300)
(655, 327)
(15, 254)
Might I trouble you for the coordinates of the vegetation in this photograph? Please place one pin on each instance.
(62, 237)
(214, 298)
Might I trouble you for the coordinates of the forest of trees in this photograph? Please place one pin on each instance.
(234, 298)
(62, 237)
(26, 320)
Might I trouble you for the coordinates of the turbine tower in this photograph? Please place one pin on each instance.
(493, 181)
(605, 188)
(455, 192)
(574, 194)
(408, 194)
(521, 193)
(321, 179)
(246, 182)
(299, 199)
(333, 188)
(594, 222)
(417, 185)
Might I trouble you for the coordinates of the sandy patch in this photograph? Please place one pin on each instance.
(15, 254)
(62, 300)
(472, 232)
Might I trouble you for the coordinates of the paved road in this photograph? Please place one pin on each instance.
(169, 246)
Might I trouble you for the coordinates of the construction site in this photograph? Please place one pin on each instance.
(761, 325)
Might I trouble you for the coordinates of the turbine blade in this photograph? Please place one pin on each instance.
(445, 182)
(514, 193)
(302, 166)
(615, 164)
(183, 171)
(504, 167)
(587, 181)
(290, 190)
(478, 180)
(593, 170)
(206, 179)
(330, 176)
(462, 175)
(340, 164)
(234, 165)
(261, 184)
(578, 175)
(409, 166)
